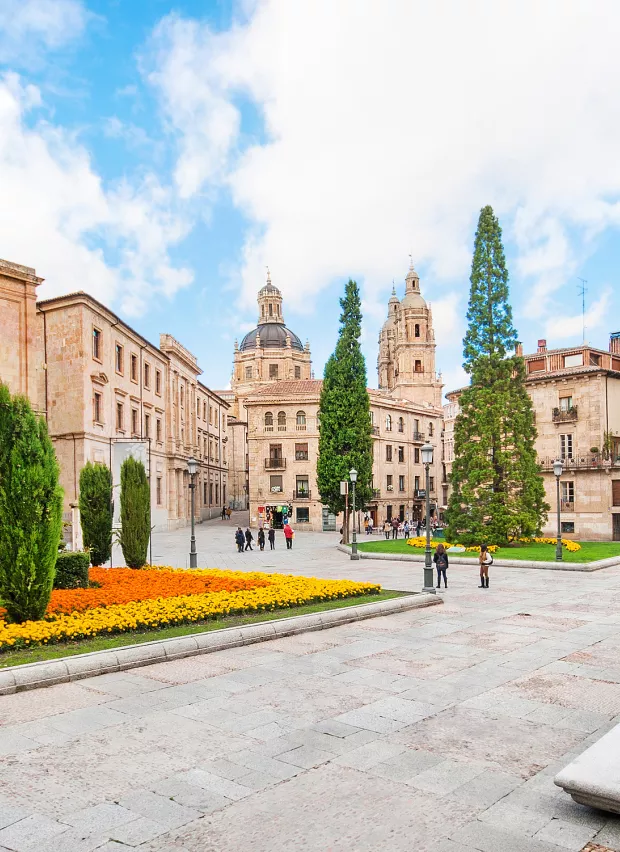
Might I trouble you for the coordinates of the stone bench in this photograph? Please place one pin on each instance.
(593, 778)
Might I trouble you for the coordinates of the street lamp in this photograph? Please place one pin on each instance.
(557, 470)
(427, 460)
(353, 478)
(192, 466)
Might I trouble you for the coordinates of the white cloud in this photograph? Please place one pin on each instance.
(59, 217)
(29, 26)
(387, 126)
(564, 326)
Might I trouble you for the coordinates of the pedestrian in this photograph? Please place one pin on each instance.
(387, 526)
(395, 525)
(240, 539)
(288, 535)
(271, 535)
(406, 529)
(486, 560)
(370, 526)
(441, 561)
(418, 528)
(261, 538)
(249, 538)
(228, 512)
(366, 525)
(223, 513)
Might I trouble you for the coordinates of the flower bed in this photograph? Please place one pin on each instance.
(220, 593)
(571, 546)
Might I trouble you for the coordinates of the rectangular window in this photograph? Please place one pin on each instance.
(273, 371)
(147, 375)
(302, 487)
(390, 482)
(204, 410)
(118, 359)
(574, 360)
(298, 372)
(615, 492)
(97, 344)
(204, 493)
(388, 452)
(248, 373)
(134, 421)
(210, 494)
(119, 416)
(217, 494)
(566, 447)
(98, 408)
(401, 483)
(567, 494)
(147, 425)
(401, 454)
(198, 409)
(134, 368)
(431, 483)
(416, 455)
(417, 483)
(158, 490)
(302, 514)
(275, 484)
(301, 452)
(158, 382)
(567, 526)
(158, 435)
(566, 403)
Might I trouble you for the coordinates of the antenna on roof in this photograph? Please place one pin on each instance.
(582, 292)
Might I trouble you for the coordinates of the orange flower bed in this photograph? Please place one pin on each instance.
(124, 585)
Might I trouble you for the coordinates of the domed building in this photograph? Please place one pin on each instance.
(271, 352)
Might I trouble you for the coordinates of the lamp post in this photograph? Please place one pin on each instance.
(353, 478)
(557, 470)
(192, 466)
(427, 459)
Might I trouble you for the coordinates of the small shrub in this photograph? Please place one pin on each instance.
(72, 570)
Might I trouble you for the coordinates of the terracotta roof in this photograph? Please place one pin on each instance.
(541, 375)
(301, 386)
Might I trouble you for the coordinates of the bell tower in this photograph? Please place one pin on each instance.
(269, 303)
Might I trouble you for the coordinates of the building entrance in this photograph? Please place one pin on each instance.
(616, 526)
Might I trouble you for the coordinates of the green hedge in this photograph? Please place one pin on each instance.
(72, 570)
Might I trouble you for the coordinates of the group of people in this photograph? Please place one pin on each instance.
(225, 513)
(440, 558)
(244, 539)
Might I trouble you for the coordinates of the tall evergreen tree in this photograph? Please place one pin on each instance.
(135, 513)
(30, 510)
(96, 511)
(345, 438)
(497, 490)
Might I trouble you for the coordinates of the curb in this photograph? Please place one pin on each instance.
(35, 675)
(586, 567)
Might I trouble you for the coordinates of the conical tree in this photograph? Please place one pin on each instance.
(30, 510)
(135, 513)
(497, 489)
(345, 438)
(96, 511)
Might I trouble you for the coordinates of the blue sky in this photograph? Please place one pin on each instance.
(161, 155)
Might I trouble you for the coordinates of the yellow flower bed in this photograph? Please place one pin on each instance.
(283, 591)
(571, 546)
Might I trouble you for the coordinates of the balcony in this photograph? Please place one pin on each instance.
(567, 506)
(275, 464)
(375, 430)
(303, 494)
(376, 493)
(418, 436)
(581, 461)
(564, 415)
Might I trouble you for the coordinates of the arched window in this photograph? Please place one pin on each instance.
(269, 419)
(416, 330)
(270, 309)
(388, 423)
(430, 430)
(401, 424)
(263, 310)
(301, 418)
(281, 421)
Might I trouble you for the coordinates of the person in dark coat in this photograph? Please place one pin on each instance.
(441, 562)
(271, 535)
(249, 538)
(261, 538)
(240, 539)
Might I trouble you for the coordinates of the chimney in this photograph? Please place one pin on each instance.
(519, 350)
(614, 343)
(542, 346)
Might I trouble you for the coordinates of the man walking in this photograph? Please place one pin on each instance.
(288, 535)
(249, 538)
(271, 535)
(395, 525)
(239, 538)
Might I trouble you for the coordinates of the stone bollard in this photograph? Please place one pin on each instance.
(77, 542)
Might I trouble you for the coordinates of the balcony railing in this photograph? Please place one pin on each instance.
(567, 506)
(582, 461)
(375, 430)
(275, 464)
(376, 493)
(418, 436)
(564, 415)
(301, 494)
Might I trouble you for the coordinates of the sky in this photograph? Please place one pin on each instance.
(160, 156)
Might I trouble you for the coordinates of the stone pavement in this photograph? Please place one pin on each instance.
(438, 729)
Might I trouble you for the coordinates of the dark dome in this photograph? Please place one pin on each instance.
(272, 336)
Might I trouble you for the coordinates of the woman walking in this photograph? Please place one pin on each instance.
(288, 535)
(271, 535)
(239, 539)
(441, 561)
(261, 538)
(387, 528)
(486, 560)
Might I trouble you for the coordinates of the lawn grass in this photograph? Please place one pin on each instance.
(138, 637)
(590, 551)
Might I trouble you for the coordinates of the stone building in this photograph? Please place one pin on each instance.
(282, 418)
(575, 393)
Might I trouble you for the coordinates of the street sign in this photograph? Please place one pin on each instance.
(421, 493)
(344, 488)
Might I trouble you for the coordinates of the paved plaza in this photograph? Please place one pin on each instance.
(436, 729)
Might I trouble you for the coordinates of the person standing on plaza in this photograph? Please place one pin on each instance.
(395, 526)
(441, 562)
(228, 512)
(240, 539)
(261, 538)
(387, 526)
(288, 535)
(223, 513)
(370, 526)
(249, 538)
(406, 529)
(271, 535)
(485, 560)
(418, 528)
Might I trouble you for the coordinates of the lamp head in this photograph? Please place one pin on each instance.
(558, 467)
(427, 453)
(192, 465)
(353, 475)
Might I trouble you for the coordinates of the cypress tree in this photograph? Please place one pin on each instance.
(30, 510)
(96, 511)
(345, 437)
(135, 513)
(497, 490)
